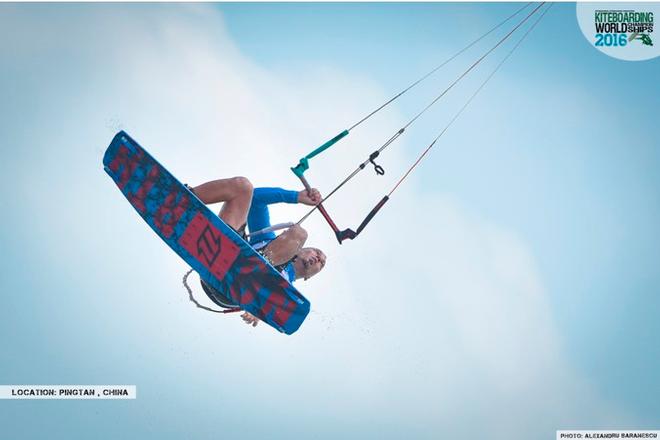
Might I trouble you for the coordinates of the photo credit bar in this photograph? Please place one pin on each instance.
(607, 434)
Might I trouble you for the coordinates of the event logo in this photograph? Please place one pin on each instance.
(622, 27)
(623, 31)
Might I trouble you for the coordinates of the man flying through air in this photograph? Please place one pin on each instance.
(242, 203)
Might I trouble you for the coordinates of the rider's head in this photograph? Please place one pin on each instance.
(309, 261)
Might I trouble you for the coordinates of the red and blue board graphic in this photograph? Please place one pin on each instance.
(221, 257)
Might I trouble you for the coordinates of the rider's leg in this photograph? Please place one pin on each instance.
(236, 193)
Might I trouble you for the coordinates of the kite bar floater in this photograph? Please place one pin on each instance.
(349, 234)
(303, 165)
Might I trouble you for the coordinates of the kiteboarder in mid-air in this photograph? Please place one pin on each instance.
(240, 278)
(242, 203)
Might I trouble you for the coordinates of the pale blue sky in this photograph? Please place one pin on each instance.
(510, 286)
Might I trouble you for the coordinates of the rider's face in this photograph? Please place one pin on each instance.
(313, 260)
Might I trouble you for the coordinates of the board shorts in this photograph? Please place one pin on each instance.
(217, 297)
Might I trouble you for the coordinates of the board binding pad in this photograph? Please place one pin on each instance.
(212, 248)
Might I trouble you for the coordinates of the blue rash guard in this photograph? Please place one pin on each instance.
(259, 218)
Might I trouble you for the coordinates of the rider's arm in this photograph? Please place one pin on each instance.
(259, 216)
(267, 196)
